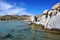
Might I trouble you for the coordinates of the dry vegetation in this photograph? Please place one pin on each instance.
(14, 17)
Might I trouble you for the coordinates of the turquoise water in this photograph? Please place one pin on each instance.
(19, 30)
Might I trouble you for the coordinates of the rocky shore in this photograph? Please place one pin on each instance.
(41, 27)
(49, 21)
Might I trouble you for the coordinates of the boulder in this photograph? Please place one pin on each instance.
(56, 6)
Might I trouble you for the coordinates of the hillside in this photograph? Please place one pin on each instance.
(14, 17)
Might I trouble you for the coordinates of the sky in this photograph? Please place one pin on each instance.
(25, 7)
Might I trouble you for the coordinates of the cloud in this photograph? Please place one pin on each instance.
(8, 9)
(14, 11)
(23, 12)
(5, 6)
(2, 13)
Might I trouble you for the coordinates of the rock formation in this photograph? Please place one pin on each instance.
(55, 7)
(51, 18)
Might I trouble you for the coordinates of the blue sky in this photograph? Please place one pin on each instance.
(29, 7)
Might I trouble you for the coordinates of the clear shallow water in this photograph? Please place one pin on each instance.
(19, 30)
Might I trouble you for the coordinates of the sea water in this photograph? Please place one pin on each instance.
(19, 30)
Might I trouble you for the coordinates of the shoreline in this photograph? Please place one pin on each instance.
(41, 27)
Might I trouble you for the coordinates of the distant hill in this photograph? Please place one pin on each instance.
(23, 17)
(14, 17)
